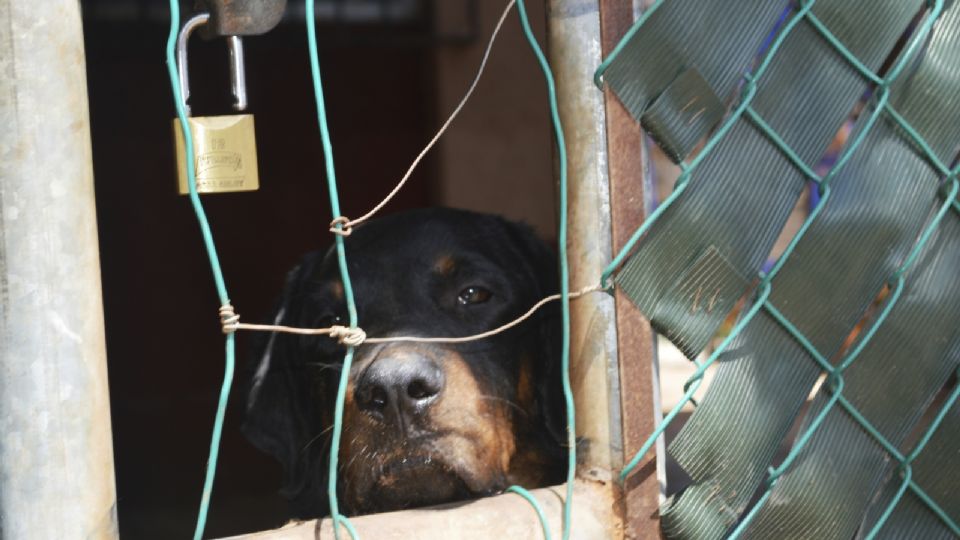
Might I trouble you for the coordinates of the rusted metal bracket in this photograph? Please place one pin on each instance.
(627, 167)
(240, 17)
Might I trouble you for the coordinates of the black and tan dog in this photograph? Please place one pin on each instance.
(423, 423)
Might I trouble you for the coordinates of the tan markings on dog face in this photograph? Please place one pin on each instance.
(358, 438)
(464, 431)
(527, 468)
(350, 412)
(363, 451)
(366, 445)
(350, 409)
(336, 289)
(525, 388)
(444, 265)
(481, 425)
(528, 464)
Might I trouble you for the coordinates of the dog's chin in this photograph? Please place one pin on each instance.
(412, 482)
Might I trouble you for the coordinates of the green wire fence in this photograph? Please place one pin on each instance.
(337, 518)
(643, 71)
(799, 70)
(214, 265)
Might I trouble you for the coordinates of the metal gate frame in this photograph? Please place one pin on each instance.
(56, 449)
(612, 345)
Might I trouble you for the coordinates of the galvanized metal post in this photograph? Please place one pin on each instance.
(56, 456)
(573, 40)
(612, 345)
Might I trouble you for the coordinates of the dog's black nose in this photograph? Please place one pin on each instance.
(399, 389)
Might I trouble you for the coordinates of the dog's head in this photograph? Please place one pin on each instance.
(422, 423)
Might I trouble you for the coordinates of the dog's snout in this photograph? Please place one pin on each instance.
(399, 389)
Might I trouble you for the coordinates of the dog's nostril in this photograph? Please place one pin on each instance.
(420, 389)
(378, 397)
(398, 390)
(372, 397)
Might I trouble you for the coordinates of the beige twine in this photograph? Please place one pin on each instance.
(342, 225)
(353, 337)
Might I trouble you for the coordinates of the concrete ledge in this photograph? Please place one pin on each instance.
(499, 517)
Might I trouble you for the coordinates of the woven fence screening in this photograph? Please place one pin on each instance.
(865, 297)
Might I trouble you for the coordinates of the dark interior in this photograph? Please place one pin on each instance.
(165, 350)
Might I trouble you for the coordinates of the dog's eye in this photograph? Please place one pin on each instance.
(473, 295)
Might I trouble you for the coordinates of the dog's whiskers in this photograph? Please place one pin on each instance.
(324, 366)
(355, 456)
(507, 401)
(314, 439)
(344, 467)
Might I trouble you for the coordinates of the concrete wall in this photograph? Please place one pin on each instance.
(498, 154)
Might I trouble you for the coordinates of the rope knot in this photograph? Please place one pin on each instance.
(345, 226)
(229, 320)
(351, 337)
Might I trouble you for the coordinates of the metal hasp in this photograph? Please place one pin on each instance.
(56, 454)
(611, 343)
(240, 17)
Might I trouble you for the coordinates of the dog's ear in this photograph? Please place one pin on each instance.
(281, 412)
(540, 264)
(534, 258)
(550, 388)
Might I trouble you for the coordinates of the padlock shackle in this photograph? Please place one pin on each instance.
(238, 73)
(238, 76)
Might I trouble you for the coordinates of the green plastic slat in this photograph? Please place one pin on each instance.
(739, 197)
(705, 216)
(880, 200)
(878, 206)
(936, 472)
(811, 88)
(719, 38)
(937, 73)
(683, 114)
(763, 382)
(893, 380)
(710, 282)
(727, 442)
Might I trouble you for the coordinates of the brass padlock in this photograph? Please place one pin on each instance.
(224, 147)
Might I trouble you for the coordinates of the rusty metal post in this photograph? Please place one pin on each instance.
(56, 456)
(629, 173)
(611, 344)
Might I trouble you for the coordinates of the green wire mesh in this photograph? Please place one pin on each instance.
(887, 226)
(338, 519)
(207, 235)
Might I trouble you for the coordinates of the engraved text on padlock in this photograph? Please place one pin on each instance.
(225, 154)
